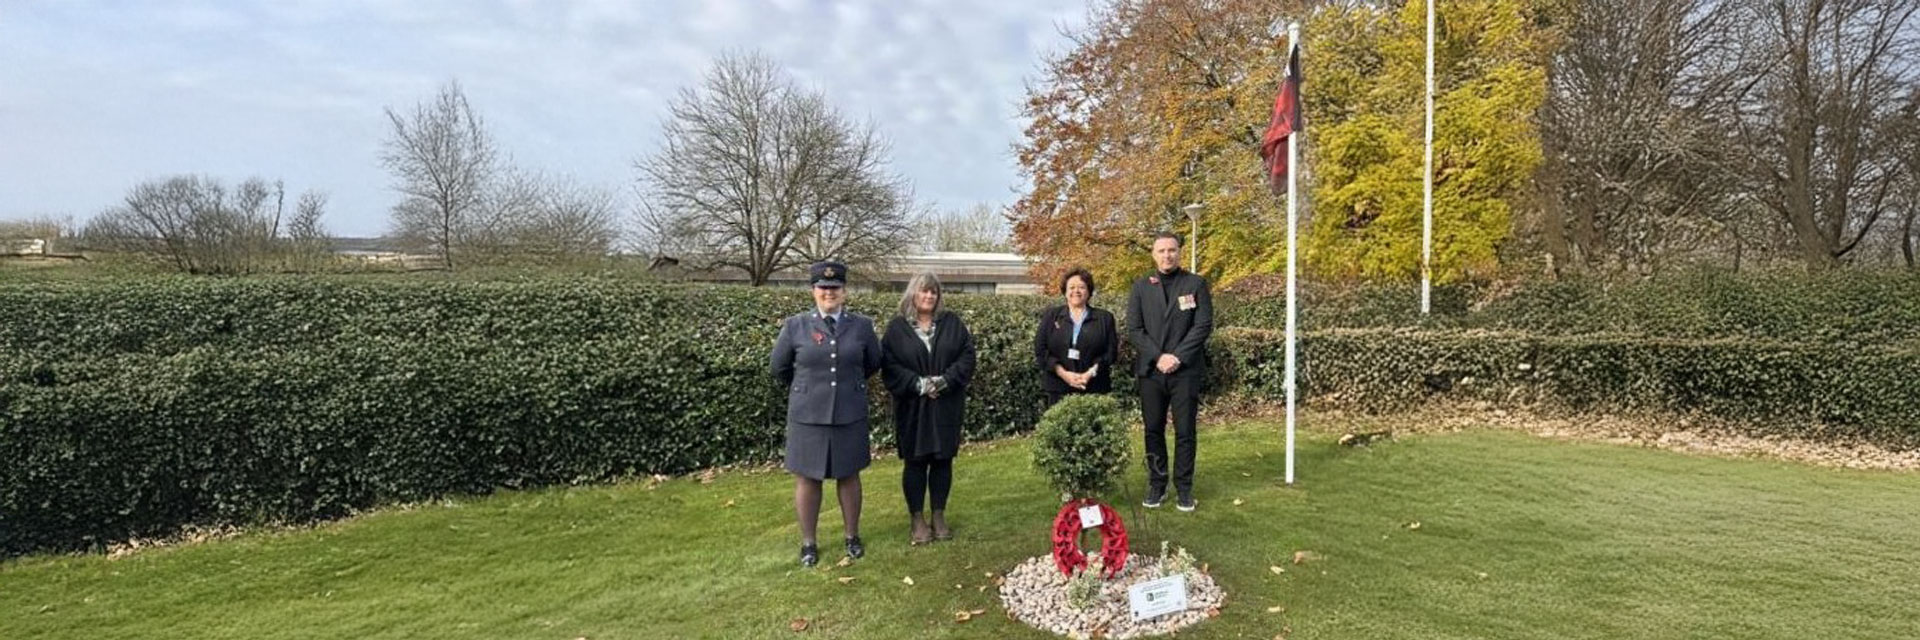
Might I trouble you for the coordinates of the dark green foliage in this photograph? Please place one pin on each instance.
(1836, 307)
(1792, 389)
(1082, 444)
(133, 407)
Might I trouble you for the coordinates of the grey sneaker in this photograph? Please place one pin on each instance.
(1186, 503)
(1154, 498)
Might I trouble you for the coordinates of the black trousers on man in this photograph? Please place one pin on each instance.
(1181, 393)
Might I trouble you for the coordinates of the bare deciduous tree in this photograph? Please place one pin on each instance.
(1637, 123)
(307, 239)
(538, 216)
(198, 225)
(1909, 133)
(977, 228)
(760, 175)
(443, 161)
(1819, 131)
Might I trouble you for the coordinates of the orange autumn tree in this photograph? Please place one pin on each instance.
(1159, 104)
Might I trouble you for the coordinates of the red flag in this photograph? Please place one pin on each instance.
(1286, 121)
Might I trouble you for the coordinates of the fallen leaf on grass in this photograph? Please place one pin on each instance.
(845, 561)
(1414, 526)
(1301, 557)
(845, 579)
(1213, 612)
(1483, 575)
(961, 616)
(977, 611)
(958, 587)
(908, 580)
(1244, 474)
(1276, 569)
(728, 504)
(1237, 502)
(798, 625)
(1276, 609)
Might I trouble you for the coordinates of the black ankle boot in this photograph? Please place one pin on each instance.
(809, 555)
(855, 549)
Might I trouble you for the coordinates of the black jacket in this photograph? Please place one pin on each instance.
(1170, 313)
(1099, 344)
(926, 426)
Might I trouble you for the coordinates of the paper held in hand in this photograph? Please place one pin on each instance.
(1155, 598)
(1090, 517)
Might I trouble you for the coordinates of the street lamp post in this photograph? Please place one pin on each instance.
(1193, 235)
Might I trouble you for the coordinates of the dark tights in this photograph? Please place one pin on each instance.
(926, 474)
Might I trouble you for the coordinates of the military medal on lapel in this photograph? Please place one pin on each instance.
(1186, 302)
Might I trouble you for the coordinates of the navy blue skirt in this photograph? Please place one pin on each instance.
(828, 451)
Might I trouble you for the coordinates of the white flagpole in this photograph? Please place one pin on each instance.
(1426, 218)
(1293, 218)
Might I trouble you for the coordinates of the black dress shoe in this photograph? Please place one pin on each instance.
(809, 555)
(854, 549)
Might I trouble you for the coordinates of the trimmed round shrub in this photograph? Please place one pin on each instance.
(1081, 445)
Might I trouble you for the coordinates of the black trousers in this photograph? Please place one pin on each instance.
(1179, 392)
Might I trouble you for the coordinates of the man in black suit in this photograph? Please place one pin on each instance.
(1169, 318)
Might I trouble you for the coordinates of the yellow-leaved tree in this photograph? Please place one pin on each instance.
(1366, 82)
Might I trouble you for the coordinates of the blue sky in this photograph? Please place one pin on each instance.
(98, 96)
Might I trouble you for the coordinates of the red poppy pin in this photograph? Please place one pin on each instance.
(819, 337)
(1153, 279)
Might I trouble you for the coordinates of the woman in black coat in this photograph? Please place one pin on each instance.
(927, 359)
(1076, 343)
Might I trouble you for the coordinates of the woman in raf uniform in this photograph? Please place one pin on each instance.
(824, 357)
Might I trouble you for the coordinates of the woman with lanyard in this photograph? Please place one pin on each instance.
(1076, 343)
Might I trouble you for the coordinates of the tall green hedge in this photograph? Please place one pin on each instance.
(1838, 307)
(1796, 389)
(130, 408)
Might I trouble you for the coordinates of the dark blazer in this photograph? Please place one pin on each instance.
(926, 426)
(1099, 344)
(826, 372)
(1157, 324)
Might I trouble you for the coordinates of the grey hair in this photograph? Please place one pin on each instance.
(922, 281)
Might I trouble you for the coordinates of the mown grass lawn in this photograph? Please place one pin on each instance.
(1519, 537)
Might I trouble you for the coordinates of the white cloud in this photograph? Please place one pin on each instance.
(571, 87)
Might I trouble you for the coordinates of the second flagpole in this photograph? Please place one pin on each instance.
(1293, 218)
